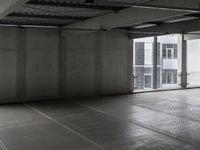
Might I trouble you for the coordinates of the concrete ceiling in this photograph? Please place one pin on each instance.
(105, 14)
(8, 6)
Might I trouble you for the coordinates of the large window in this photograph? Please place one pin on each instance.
(168, 61)
(167, 64)
(193, 65)
(143, 63)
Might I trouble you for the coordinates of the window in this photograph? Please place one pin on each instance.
(167, 63)
(148, 58)
(147, 81)
(193, 67)
(169, 76)
(170, 45)
(169, 51)
(164, 53)
(164, 79)
(175, 53)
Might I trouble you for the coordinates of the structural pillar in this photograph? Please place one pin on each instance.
(21, 64)
(61, 65)
(99, 37)
(155, 62)
(130, 79)
(183, 62)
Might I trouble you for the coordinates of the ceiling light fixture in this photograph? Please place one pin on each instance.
(145, 26)
(181, 19)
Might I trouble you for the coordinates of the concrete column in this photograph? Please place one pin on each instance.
(184, 64)
(113, 63)
(182, 61)
(98, 63)
(130, 82)
(155, 62)
(61, 65)
(21, 64)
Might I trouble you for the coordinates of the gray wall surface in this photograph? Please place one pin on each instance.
(41, 63)
(52, 63)
(80, 65)
(8, 62)
(116, 49)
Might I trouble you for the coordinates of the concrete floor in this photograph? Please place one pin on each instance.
(149, 121)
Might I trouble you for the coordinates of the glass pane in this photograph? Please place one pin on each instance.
(170, 45)
(164, 78)
(143, 59)
(168, 67)
(169, 79)
(147, 79)
(148, 57)
(169, 54)
(175, 53)
(193, 65)
(167, 64)
(164, 53)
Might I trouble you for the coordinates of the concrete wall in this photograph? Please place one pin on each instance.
(80, 65)
(115, 58)
(41, 63)
(8, 62)
(50, 63)
(98, 63)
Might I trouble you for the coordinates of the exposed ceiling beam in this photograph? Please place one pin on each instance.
(8, 6)
(172, 28)
(153, 6)
(25, 23)
(27, 15)
(142, 1)
(142, 35)
(147, 25)
(73, 5)
(133, 16)
(172, 8)
(139, 34)
(192, 36)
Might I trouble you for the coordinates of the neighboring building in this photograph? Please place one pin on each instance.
(169, 64)
(166, 66)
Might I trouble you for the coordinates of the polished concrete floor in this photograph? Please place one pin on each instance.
(149, 121)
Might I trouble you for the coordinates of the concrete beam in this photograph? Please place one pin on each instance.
(192, 36)
(168, 5)
(8, 6)
(172, 28)
(126, 17)
(192, 4)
